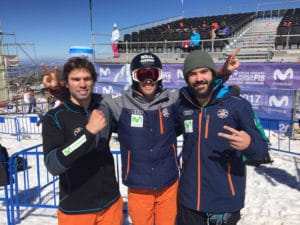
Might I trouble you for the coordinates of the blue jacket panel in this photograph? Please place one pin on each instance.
(213, 177)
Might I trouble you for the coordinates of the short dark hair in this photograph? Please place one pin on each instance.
(78, 63)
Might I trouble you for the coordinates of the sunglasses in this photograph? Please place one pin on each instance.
(141, 75)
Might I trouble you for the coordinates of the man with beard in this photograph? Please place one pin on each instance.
(218, 129)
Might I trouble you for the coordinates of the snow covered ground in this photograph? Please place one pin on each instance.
(272, 194)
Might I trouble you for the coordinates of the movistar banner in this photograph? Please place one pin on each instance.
(271, 103)
(249, 75)
(267, 75)
(270, 87)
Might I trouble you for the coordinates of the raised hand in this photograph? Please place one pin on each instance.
(239, 140)
(51, 80)
(230, 64)
(97, 121)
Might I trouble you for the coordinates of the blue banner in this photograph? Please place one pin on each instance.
(269, 87)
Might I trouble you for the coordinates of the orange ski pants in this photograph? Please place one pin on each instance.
(149, 207)
(110, 216)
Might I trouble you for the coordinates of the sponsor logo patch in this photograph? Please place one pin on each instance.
(77, 131)
(188, 113)
(165, 113)
(137, 120)
(188, 126)
(222, 113)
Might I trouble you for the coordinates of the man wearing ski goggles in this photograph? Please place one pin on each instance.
(143, 75)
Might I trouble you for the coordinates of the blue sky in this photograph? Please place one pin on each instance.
(56, 25)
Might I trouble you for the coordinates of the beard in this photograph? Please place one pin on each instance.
(198, 92)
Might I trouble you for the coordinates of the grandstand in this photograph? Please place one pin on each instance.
(265, 36)
(270, 56)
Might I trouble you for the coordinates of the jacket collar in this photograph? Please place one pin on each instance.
(95, 102)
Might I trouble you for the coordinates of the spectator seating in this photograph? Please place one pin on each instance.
(294, 40)
(170, 36)
(281, 40)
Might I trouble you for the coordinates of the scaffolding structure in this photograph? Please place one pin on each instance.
(18, 66)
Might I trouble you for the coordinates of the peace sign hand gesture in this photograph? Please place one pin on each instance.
(239, 140)
(51, 80)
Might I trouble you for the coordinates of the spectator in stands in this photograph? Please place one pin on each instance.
(287, 23)
(195, 40)
(215, 25)
(76, 148)
(212, 35)
(223, 32)
(115, 36)
(181, 25)
(186, 45)
(32, 102)
(216, 136)
(212, 32)
(204, 25)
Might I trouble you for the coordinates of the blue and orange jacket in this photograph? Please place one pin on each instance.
(213, 176)
(147, 136)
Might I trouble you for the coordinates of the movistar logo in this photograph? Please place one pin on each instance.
(104, 72)
(188, 126)
(137, 119)
(180, 74)
(283, 76)
(274, 101)
(107, 89)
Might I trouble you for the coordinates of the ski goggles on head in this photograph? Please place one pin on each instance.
(141, 75)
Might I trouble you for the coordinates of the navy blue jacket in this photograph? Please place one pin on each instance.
(147, 136)
(213, 177)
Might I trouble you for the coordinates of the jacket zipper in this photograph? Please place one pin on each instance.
(128, 165)
(230, 180)
(199, 158)
(206, 126)
(175, 155)
(161, 124)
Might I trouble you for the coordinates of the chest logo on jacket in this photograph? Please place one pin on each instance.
(137, 120)
(188, 126)
(188, 112)
(77, 131)
(222, 113)
(165, 113)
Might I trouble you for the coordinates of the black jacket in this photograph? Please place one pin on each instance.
(82, 160)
